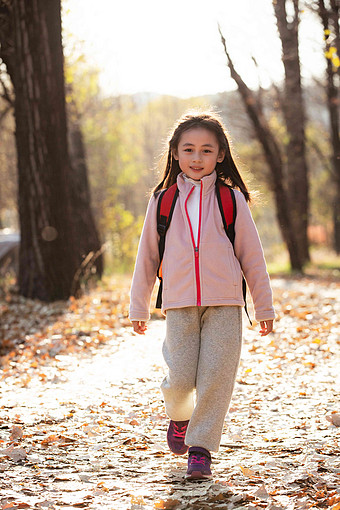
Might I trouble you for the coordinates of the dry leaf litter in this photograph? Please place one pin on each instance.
(82, 423)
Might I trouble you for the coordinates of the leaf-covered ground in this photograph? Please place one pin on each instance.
(82, 422)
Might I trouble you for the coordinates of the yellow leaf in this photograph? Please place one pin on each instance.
(336, 61)
(102, 487)
(331, 52)
(137, 500)
(247, 472)
(166, 504)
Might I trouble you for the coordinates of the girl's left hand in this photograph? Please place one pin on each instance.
(266, 327)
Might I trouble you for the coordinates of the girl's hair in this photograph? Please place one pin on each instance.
(226, 170)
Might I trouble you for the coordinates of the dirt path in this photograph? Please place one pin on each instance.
(88, 429)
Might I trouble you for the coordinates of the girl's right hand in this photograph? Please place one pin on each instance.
(266, 327)
(139, 327)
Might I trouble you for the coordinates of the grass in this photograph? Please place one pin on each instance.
(324, 264)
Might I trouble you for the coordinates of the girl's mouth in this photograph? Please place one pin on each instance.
(196, 168)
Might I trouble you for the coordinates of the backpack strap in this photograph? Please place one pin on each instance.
(227, 205)
(165, 208)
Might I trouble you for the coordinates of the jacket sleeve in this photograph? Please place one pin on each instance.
(249, 252)
(146, 266)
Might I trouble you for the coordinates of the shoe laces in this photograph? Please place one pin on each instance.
(200, 459)
(179, 431)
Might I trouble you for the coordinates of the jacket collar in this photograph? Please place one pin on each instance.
(208, 182)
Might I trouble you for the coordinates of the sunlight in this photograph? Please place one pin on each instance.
(175, 49)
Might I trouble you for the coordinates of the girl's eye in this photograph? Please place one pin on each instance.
(207, 151)
(187, 150)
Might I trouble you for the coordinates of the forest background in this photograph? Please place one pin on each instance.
(125, 135)
(82, 418)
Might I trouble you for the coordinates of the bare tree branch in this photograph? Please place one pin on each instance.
(260, 89)
(272, 153)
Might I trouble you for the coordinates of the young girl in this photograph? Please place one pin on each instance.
(202, 287)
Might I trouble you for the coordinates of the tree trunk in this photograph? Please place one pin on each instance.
(89, 245)
(294, 115)
(48, 255)
(333, 106)
(6, 35)
(52, 197)
(273, 157)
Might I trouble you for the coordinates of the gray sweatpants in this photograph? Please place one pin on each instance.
(202, 350)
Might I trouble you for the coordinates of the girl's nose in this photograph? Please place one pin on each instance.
(196, 156)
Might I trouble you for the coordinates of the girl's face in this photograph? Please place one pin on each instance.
(198, 152)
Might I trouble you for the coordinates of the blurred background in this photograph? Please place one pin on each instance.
(124, 72)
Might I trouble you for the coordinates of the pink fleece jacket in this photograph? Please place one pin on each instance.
(210, 275)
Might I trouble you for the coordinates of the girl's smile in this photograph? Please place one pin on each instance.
(198, 152)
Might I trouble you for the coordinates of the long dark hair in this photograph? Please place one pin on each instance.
(226, 171)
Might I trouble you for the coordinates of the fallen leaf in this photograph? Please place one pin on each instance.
(102, 487)
(16, 433)
(247, 472)
(261, 492)
(50, 439)
(15, 454)
(166, 504)
(137, 500)
(334, 418)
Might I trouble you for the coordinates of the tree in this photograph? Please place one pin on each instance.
(31, 48)
(330, 22)
(89, 244)
(7, 154)
(293, 110)
(287, 176)
(273, 156)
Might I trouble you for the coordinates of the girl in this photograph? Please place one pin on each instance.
(202, 287)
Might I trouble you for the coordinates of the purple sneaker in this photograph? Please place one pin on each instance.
(199, 462)
(176, 436)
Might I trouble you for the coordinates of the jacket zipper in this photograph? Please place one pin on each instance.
(196, 248)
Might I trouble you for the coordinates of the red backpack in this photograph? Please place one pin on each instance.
(165, 208)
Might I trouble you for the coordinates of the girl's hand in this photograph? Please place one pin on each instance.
(139, 327)
(266, 327)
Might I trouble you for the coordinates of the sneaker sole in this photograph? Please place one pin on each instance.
(179, 453)
(197, 475)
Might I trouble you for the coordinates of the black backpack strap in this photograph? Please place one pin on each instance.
(227, 205)
(165, 208)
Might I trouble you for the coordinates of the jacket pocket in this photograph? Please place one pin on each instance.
(220, 271)
(178, 274)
